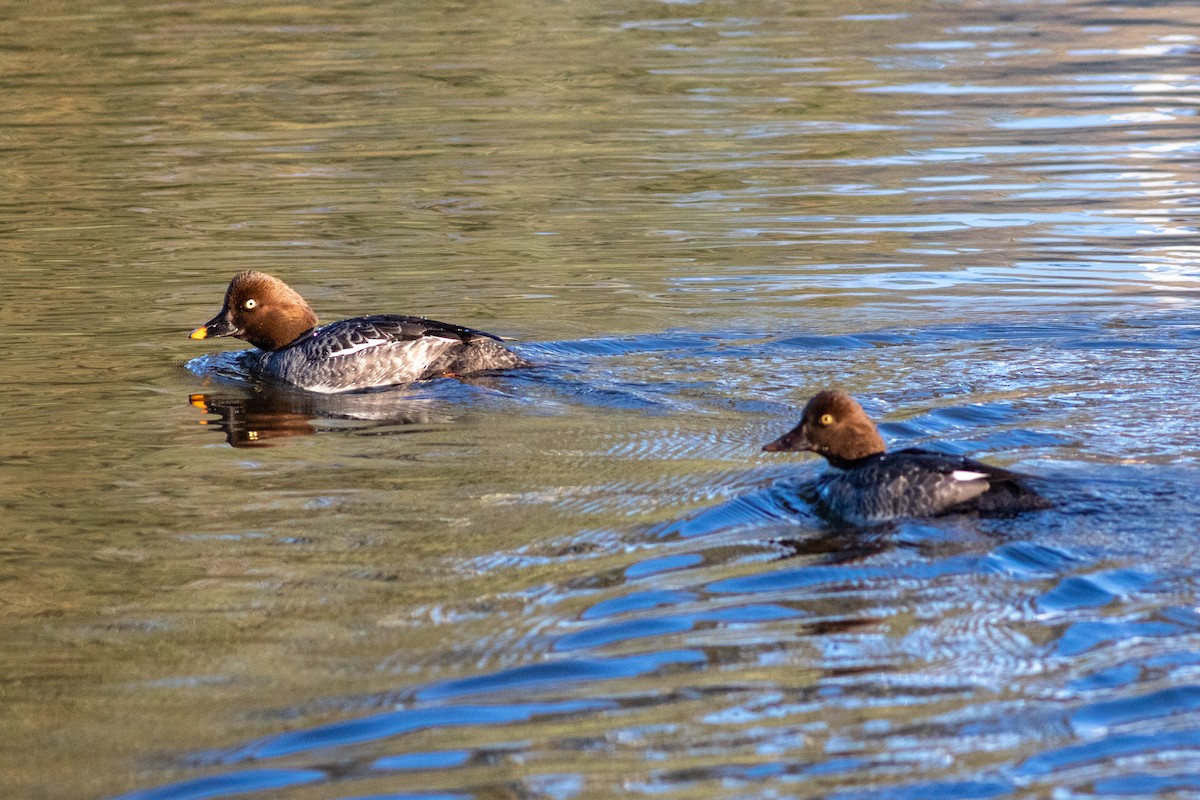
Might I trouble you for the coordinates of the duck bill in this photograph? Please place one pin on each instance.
(795, 439)
(217, 326)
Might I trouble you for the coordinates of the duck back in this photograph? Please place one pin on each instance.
(921, 483)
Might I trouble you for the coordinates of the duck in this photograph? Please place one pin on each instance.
(350, 354)
(867, 485)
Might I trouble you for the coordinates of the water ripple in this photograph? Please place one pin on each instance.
(585, 579)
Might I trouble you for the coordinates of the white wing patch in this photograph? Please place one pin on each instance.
(967, 475)
(367, 345)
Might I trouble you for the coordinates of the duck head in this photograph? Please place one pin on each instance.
(262, 310)
(835, 426)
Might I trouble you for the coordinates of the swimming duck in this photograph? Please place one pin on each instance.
(867, 485)
(356, 353)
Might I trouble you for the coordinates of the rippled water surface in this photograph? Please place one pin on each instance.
(585, 580)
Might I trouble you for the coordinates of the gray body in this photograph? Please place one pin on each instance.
(382, 350)
(918, 483)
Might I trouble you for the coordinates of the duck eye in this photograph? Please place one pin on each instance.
(826, 419)
(250, 304)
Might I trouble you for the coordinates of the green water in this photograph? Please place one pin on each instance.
(980, 218)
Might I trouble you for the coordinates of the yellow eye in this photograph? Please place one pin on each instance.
(250, 304)
(826, 419)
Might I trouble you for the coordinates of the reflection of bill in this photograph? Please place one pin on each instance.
(254, 420)
(246, 425)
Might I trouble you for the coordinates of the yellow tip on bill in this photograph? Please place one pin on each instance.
(198, 401)
(199, 333)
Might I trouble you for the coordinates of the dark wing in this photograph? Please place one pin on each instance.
(955, 483)
(948, 462)
(416, 327)
(350, 336)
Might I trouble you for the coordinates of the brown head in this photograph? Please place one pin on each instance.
(834, 426)
(263, 310)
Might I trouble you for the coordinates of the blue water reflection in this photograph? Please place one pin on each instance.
(972, 635)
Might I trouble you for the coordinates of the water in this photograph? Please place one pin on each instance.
(586, 580)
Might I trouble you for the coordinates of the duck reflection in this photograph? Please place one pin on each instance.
(255, 420)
